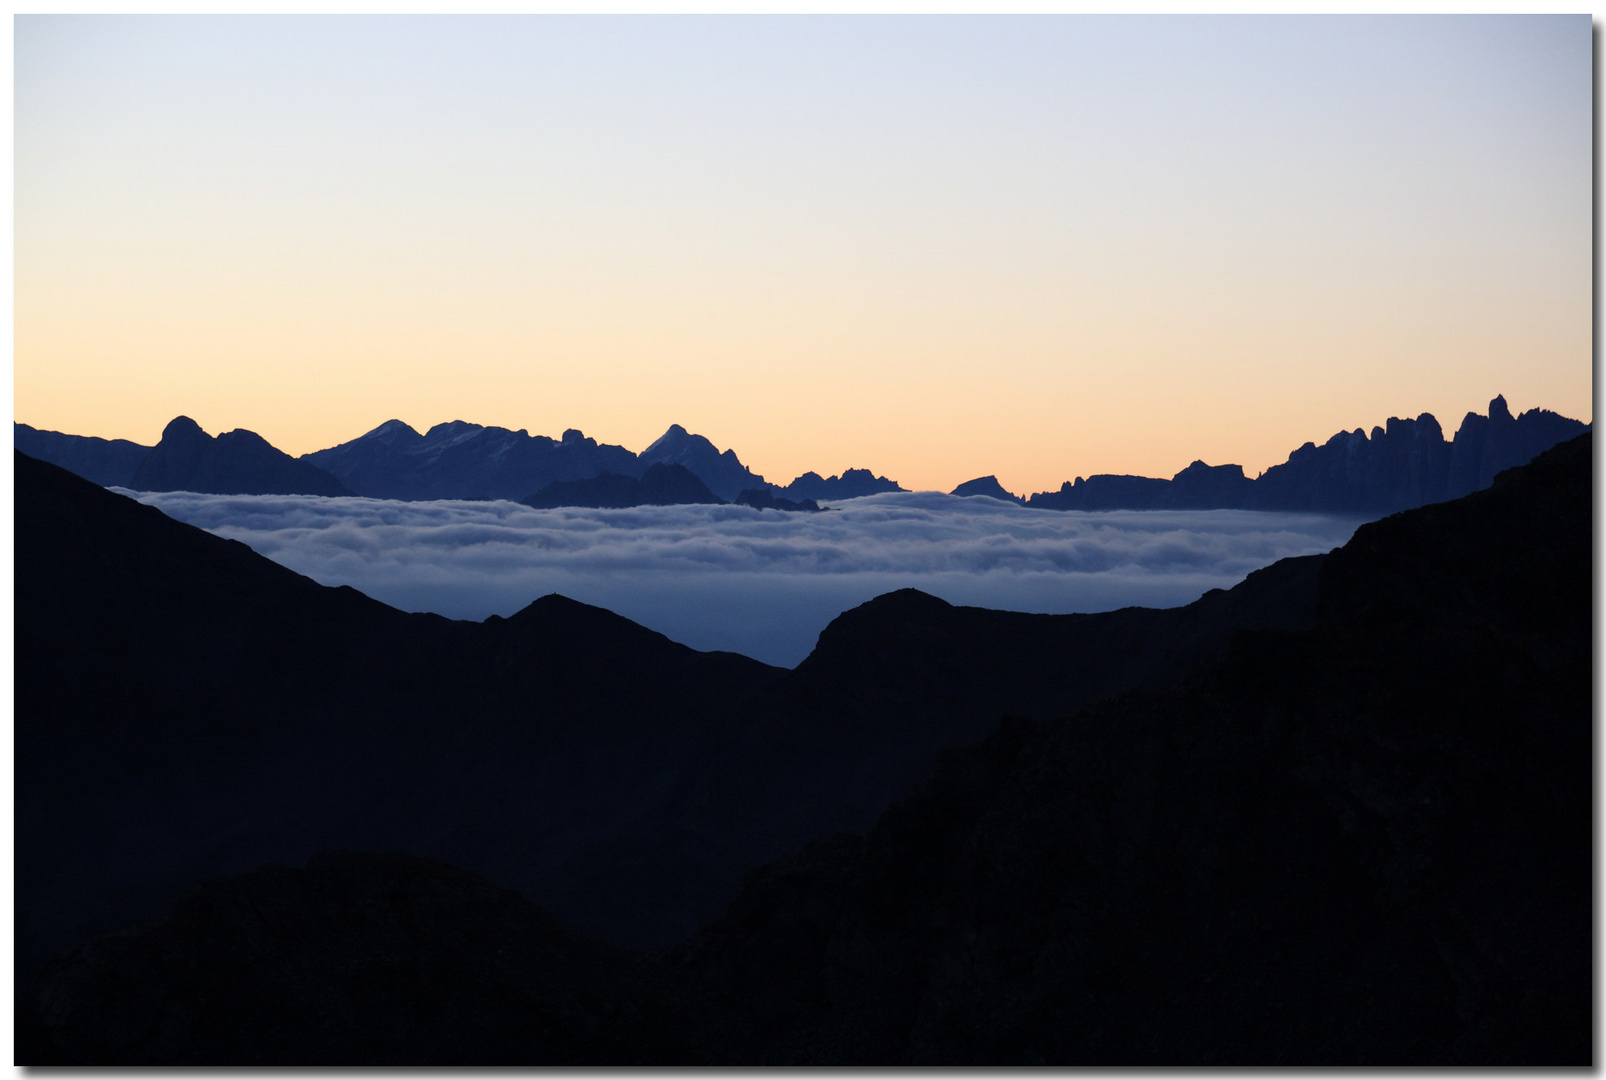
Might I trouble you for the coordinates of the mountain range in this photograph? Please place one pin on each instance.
(620, 779)
(1403, 464)
(1407, 463)
(1340, 814)
(660, 485)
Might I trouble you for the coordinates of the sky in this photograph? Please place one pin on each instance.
(761, 583)
(939, 247)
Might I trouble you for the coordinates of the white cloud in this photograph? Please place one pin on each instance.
(759, 582)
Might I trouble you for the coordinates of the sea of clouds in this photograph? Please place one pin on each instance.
(758, 582)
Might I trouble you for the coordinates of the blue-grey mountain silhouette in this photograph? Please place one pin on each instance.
(659, 485)
(108, 462)
(762, 499)
(1405, 464)
(1210, 487)
(852, 484)
(236, 462)
(724, 474)
(459, 460)
(988, 486)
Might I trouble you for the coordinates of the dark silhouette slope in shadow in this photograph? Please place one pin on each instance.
(1362, 841)
(187, 709)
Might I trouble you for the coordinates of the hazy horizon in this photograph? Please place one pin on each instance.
(1039, 247)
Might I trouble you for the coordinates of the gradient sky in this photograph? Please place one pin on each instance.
(936, 247)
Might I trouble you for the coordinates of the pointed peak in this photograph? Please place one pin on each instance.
(1498, 409)
(391, 428)
(676, 440)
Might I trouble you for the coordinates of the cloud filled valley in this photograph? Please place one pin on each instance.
(763, 583)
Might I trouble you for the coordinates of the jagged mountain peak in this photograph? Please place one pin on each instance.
(678, 440)
(238, 462)
(392, 431)
(985, 485)
(723, 472)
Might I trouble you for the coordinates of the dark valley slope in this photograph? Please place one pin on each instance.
(187, 709)
(1366, 841)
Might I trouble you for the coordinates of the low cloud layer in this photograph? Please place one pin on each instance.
(762, 583)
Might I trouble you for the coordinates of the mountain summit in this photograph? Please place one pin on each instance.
(236, 462)
(988, 486)
(724, 474)
(459, 460)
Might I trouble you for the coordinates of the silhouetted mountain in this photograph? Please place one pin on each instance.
(725, 476)
(236, 462)
(606, 772)
(763, 500)
(427, 964)
(1210, 487)
(830, 745)
(466, 461)
(1105, 492)
(1403, 465)
(108, 462)
(660, 485)
(988, 486)
(1366, 840)
(186, 708)
(850, 485)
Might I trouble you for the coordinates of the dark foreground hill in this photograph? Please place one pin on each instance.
(1362, 842)
(186, 709)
